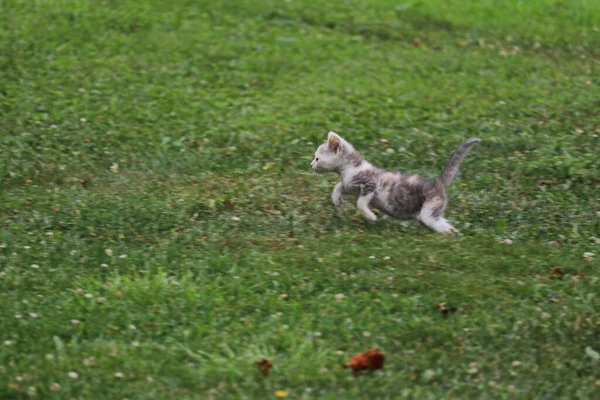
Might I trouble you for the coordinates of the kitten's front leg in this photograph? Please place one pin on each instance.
(363, 205)
(336, 196)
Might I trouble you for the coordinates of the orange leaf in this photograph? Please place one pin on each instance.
(265, 365)
(371, 360)
(376, 359)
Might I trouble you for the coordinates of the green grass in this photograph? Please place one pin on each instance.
(213, 244)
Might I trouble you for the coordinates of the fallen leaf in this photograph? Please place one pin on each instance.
(371, 360)
(428, 375)
(228, 204)
(580, 274)
(265, 365)
(445, 310)
(593, 354)
(555, 300)
(557, 273)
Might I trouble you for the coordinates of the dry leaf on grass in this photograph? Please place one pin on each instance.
(371, 360)
(557, 273)
(445, 310)
(265, 365)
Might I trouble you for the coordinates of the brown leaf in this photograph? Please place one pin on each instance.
(228, 204)
(371, 360)
(265, 365)
(376, 359)
(580, 274)
(557, 273)
(555, 300)
(445, 310)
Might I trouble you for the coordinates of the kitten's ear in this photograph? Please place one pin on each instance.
(334, 141)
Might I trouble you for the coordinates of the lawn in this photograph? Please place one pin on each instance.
(162, 231)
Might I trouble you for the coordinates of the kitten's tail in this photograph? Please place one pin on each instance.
(452, 167)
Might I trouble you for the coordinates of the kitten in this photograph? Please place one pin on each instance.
(396, 194)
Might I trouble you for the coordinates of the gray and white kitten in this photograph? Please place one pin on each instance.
(396, 194)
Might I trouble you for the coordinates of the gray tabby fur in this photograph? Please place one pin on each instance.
(397, 194)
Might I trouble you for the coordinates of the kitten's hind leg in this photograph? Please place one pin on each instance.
(363, 205)
(336, 196)
(431, 216)
(439, 225)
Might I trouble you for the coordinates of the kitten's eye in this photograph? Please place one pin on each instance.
(317, 159)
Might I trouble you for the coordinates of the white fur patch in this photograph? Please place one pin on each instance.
(351, 172)
(413, 180)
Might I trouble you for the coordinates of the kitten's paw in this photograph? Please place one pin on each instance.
(450, 231)
(337, 201)
(371, 219)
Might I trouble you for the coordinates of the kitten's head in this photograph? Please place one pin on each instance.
(331, 156)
